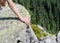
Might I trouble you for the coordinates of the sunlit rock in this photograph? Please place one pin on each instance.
(58, 37)
(49, 39)
(11, 28)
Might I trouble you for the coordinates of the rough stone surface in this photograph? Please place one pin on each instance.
(48, 39)
(58, 37)
(12, 29)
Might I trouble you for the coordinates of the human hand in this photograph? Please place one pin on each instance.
(26, 21)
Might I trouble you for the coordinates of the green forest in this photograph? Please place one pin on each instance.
(43, 12)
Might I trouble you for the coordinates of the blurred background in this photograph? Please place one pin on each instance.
(43, 12)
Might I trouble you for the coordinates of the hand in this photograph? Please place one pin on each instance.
(26, 21)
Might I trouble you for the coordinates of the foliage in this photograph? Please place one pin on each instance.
(44, 12)
(39, 33)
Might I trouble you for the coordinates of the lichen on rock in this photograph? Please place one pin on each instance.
(11, 28)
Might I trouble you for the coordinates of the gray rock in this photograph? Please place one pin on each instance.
(58, 37)
(12, 29)
(32, 36)
(49, 39)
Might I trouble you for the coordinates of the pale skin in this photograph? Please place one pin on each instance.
(14, 9)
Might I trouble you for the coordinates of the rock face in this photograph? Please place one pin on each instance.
(12, 30)
(48, 39)
(58, 37)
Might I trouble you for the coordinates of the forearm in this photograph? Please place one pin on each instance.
(14, 9)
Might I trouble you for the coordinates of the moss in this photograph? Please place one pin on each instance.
(39, 33)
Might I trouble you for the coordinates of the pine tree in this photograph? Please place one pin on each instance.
(44, 12)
